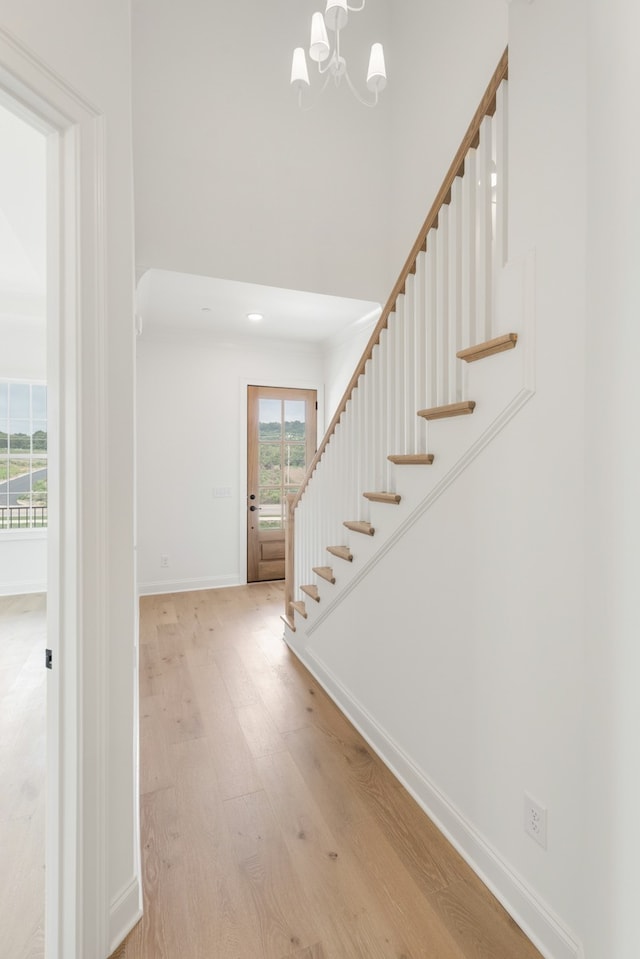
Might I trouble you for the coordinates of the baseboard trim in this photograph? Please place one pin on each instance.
(125, 911)
(21, 589)
(545, 930)
(188, 585)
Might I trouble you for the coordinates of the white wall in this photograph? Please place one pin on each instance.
(442, 56)
(340, 358)
(478, 671)
(612, 467)
(232, 180)
(191, 439)
(87, 43)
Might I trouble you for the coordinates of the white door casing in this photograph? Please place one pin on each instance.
(77, 906)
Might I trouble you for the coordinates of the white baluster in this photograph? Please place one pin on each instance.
(374, 426)
(501, 169)
(431, 303)
(409, 414)
(468, 266)
(398, 397)
(382, 408)
(455, 304)
(420, 326)
(351, 477)
(392, 439)
(442, 308)
(484, 257)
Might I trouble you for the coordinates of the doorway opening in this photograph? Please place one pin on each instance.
(281, 442)
(24, 443)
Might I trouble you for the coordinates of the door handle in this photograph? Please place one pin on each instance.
(252, 508)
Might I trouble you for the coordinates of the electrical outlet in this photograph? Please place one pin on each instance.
(164, 561)
(535, 820)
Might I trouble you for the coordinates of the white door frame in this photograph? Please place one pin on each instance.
(76, 860)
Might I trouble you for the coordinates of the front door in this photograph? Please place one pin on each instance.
(281, 444)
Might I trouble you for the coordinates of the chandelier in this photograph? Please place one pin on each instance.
(331, 63)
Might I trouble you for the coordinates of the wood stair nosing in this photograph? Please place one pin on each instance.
(392, 498)
(342, 551)
(299, 607)
(450, 409)
(288, 621)
(360, 526)
(325, 572)
(489, 348)
(412, 459)
(311, 591)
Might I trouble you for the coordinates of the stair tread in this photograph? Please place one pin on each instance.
(450, 409)
(393, 498)
(325, 572)
(412, 459)
(359, 526)
(342, 551)
(288, 621)
(312, 591)
(299, 607)
(489, 348)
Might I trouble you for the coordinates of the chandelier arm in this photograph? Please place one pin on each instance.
(312, 106)
(328, 66)
(357, 9)
(358, 96)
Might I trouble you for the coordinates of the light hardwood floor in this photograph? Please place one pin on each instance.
(269, 828)
(22, 776)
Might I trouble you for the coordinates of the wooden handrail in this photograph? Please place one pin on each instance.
(471, 138)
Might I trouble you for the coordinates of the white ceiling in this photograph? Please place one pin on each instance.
(180, 301)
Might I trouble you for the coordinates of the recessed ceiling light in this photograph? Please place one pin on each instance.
(255, 317)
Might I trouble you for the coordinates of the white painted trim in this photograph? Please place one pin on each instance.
(189, 585)
(21, 589)
(535, 918)
(125, 912)
(77, 908)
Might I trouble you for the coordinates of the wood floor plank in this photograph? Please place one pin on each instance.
(259, 730)
(181, 714)
(282, 911)
(154, 742)
(237, 679)
(480, 925)
(233, 759)
(327, 864)
(272, 831)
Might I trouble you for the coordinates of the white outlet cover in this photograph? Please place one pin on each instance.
(535, 820)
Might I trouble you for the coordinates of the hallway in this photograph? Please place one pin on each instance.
(269, 829)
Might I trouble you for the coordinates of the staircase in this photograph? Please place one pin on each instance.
(420, 404)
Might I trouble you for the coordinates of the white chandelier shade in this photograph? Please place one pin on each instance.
(327, 54)
(299, 72)
(319, 48)
(377, 73)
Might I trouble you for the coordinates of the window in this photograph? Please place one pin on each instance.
(23, 455)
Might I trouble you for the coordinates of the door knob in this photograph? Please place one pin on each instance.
(252, 508)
